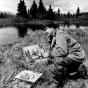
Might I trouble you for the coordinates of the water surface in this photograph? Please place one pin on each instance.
(12, 34)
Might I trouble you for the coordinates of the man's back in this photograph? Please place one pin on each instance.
(66, 45)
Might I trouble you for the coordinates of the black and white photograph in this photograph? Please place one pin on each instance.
(43, 43)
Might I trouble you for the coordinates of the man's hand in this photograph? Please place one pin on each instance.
(45, 54)
(50, 54)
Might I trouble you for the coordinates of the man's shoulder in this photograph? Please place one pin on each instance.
(61, 32)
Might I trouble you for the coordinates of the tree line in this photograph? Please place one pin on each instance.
(35, 11)
(5, 15)
(40, 12)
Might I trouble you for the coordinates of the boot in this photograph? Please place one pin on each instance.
(82, 70)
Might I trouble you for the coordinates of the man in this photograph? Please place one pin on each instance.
(66, 52)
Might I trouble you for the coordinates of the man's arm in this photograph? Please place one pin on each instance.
(61, 46)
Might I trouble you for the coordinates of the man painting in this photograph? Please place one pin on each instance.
(66, 52)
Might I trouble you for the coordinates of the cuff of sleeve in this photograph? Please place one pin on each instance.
(55, 53)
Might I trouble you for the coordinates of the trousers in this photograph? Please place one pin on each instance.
(62, 67)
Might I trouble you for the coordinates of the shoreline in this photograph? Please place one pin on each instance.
(15, 21)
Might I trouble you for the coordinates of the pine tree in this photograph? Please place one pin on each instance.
(21, 10)
(33, 9)
(78, 12)
(50, 14)
(58, 12)
(41, 7)
(28, 11)
(2, 15)
(68, 15)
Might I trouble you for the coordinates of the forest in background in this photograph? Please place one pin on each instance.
(40, 12)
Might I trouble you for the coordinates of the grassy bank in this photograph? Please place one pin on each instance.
(13, 21)
(12, 60)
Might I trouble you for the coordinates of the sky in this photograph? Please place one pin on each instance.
(64, 5)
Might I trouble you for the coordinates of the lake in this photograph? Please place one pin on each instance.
(12, 34)
(73, 27)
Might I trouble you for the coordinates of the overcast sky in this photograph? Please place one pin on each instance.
(64, 5)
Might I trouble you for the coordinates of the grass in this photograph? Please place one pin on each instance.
(12, 60)
(81, 36)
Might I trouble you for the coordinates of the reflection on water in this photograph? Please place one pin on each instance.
(12, 34)
(22, 30)
(65, 27)
(73, 27)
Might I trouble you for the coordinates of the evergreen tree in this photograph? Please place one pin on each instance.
(68, 15)
(21, 10)
(58, 12)
(50, 14)
(41, 7)
(28, 11)
(33, 9)
(2, 15)
(78, 12)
